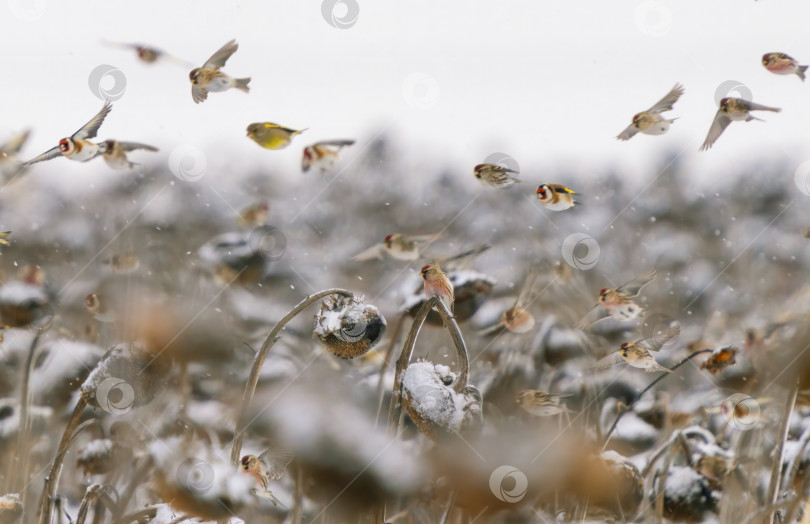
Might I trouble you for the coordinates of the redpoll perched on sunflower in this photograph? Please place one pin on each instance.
(438, 284)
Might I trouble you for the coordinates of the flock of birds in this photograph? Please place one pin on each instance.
(620, 303)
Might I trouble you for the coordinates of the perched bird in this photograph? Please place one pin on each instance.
(496, 176)
(97, 307)
(323, 155)
(399, 246)
(9, 164)
(254, 215)
(122, 262)
(270, 135)
(210, 78)
(637, 353)
(732, 109)
(437, 284)
(650, 122)
(556, 197)
(618, 303)
(517, 319)
(78, 147)
(715, 467)
(540, 403)
(148, 54)
(270, 464)
(782, 64)
(115, 153)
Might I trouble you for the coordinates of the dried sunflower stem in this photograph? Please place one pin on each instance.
(49, 489)
(22, 430)
(649, 387)
(386, 360)
(773, 487)
(89, 496)
(141, 470)
(407, 351)
(253, 380)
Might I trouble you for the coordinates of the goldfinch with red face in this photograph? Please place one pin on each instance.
(782, 64)
(78, 146)
(732, 109)
(210, 78)
(323, 155)
(650, 122)
(556, 197)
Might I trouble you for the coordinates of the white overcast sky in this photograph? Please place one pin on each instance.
(549, 82)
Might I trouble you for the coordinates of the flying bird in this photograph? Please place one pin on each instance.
(618, 303)
(78, 146)
(782, 64)
(210, 78)
(115, 153)
(323, 155)
(270, 135)
(732, 109)
(556, 197)
(496, 176)
(397, 245)
(650, 122)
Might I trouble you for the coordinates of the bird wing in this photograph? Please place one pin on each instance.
(132, 146)
(14, 145)
(526, 290)
(335, 143)
(276, 461)
(666, 103)
(759, 107)
(420, 239)
(634, 287)
(47, 155)
(629, 132)
(198, 93)
(596, 314)
(375, 251)
(90, 129)
(562, 189)
(614, 359)
(719, 124)
(271, 125)
(660, 338)
(219, 58)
